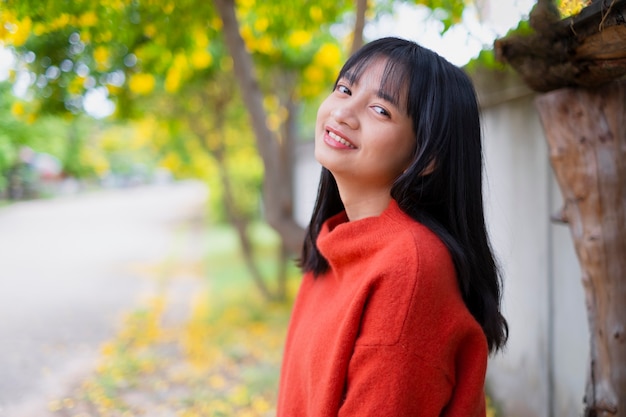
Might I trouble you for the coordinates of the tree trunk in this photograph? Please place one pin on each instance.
(586, 131)
(239, 221)
(359, 25)
(278, 210)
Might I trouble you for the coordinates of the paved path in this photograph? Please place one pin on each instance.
(67, 276)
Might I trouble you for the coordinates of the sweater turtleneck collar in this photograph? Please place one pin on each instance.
(343, 242)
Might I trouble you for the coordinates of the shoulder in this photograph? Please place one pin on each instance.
(417, 294)
(419, 251)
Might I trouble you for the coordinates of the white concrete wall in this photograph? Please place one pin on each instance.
(542, 371)
(307, 173)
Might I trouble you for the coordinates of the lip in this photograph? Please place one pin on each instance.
(333, 142)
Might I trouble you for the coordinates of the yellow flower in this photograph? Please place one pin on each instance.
(217, 381)
(169, 8)
(271, 102)
(60, 22)
(201, 38)
(108, 349)
(328, 56)
(314, 74)
(180, 62)
(260, 405)
(273, 122)
(88, 19)
(172, 162)
(113, 89)
(201, 59)
(144, 131)
(247, 35)
(172, 80)
(76, 85)
(150, 30)
(17, 109)
(141, 83)
(95, 159)
(101, 55)
(245, 4)
(316, 13)
(571, 7)
(21, 33)
(39, 29)
(104, 36)
(265, 45)
(261, 24)
(216, 23)
(299, 38)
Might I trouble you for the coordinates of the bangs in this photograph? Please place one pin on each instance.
(394, 80)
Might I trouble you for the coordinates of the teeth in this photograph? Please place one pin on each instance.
(340, 139)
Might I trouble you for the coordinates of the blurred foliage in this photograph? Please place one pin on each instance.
(180, 80)
(449, 12)
(136, 48)
(38, 147)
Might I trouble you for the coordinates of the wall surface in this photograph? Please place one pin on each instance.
(542, 371)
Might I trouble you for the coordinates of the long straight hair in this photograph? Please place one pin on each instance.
(442, 188)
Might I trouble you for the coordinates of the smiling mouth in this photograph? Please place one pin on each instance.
(339, 139)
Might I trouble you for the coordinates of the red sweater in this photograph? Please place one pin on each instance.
(385, 332)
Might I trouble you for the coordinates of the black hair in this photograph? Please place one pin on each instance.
(442, 188)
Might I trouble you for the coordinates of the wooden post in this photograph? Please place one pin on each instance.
(586, 132)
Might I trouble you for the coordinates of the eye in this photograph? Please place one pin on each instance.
(381, 110)
(343, 89)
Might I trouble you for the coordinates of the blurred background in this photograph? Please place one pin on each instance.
(156, 176)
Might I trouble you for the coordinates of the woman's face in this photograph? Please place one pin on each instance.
(361, 135)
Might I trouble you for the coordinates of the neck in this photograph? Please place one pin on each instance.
(361, 203)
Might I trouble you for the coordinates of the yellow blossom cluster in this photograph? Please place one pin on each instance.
(141, 83)
(102, 56)
(14, 31)
(572, 7)
(23, 111)
(322, 70)
(223, 361)
(255, 34)
(93, 157)
(299, 38)
(276, 113)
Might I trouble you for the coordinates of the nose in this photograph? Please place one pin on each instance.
(346, 115)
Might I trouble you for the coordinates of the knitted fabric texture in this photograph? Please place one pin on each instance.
(385, 331)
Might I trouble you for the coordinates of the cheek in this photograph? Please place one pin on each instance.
(322, 113)
(405, 154)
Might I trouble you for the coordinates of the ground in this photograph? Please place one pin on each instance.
(107, 297)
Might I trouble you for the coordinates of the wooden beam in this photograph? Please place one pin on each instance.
(588, 49)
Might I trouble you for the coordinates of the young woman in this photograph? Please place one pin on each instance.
(400, 301)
